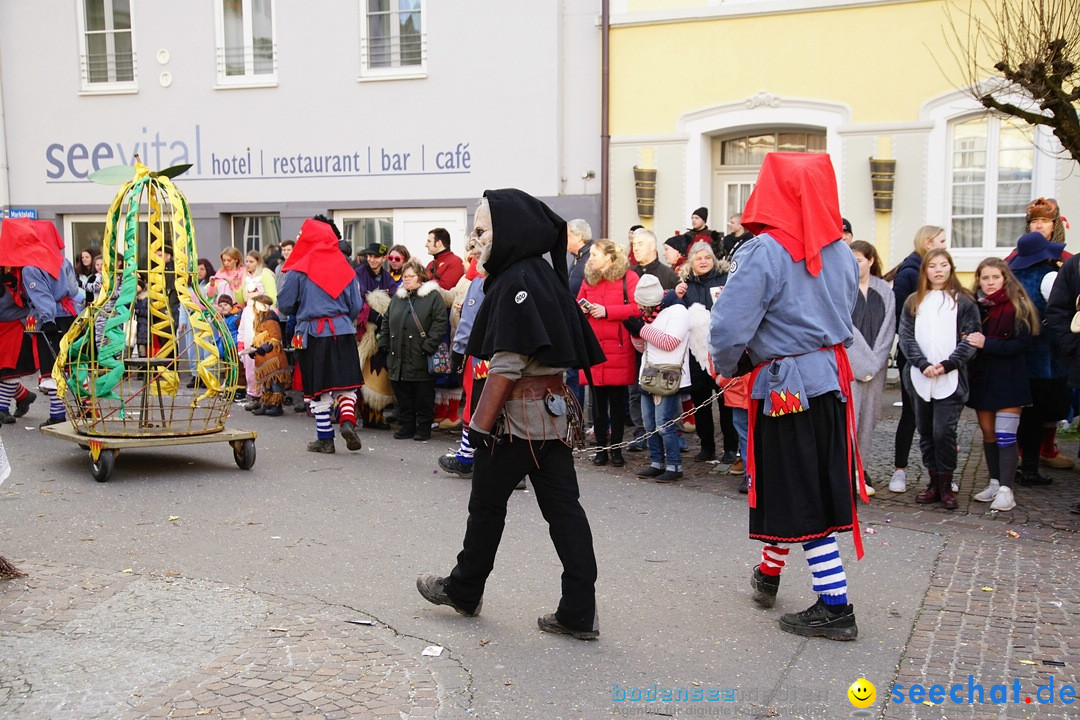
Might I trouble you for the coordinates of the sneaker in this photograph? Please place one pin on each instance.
(322, 446)
(669, 476)
(954, 486)
(870, 491)
(549, 623)
(898, 483)
(23, 406)
(818, 621)
(738, 468)
(1003, 500)
(729, 457)
(348, 433)
(433, 588)
(650, 472)
(1057, 460)
(988, 494)
(764, 587)
(452, 465)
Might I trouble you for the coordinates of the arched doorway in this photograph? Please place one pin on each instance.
(736, 160)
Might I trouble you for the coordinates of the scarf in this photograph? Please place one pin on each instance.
(998, 314)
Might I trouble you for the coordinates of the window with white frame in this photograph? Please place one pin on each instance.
(107, 55)
(246, 49)
(392, 39)
(255, 232)
(992, 167)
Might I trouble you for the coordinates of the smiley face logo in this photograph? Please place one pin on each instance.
(862, 693)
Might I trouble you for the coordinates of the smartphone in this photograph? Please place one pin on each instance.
(585, 304)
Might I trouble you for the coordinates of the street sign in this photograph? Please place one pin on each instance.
(28, 213)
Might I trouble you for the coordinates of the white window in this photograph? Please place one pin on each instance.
(408, 227)
(246, 49)
(992, 165)
(107, 55)
(255, 232)
(393, 43)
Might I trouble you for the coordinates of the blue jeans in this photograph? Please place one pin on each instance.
(662, 452)
(740, 418)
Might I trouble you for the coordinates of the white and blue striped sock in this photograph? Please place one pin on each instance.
(830, 582)
(7, 394)
(465, 450)
(56, 405)
(324, 430)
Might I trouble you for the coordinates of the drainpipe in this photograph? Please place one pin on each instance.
(605, 137)
(5, 172)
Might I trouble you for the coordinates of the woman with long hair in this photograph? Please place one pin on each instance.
(607, 297)
(874, 318)
(395, 264)
(937, 318)
(998, 374)
(229, 280)
(905, 277)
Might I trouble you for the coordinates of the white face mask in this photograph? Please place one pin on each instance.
(261, 307)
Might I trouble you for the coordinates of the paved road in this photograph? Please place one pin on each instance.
(185, 587)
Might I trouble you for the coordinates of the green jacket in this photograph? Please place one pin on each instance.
(400, 336)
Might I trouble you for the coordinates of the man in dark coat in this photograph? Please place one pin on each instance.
(531, 332)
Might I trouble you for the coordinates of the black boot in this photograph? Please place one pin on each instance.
(821, 620)
(765, 587)
(601, 457)
(617, 458)
(322, 446)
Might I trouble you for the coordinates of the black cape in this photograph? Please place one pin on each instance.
(527, 306)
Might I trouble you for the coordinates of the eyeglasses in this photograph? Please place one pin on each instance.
(395, 258)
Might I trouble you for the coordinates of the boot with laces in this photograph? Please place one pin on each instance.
(821, 620)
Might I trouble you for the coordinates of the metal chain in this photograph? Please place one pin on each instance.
(660, 428)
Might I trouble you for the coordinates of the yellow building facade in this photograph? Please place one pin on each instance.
(700, 90)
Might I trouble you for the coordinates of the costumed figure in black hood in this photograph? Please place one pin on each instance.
(530, 331)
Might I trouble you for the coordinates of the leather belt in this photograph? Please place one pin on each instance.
(537, 386)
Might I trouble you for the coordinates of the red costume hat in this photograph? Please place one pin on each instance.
(316, 254)
(21, 245)
(796, 202)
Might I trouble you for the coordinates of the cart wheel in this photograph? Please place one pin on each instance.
(245, 454)
(103, 468)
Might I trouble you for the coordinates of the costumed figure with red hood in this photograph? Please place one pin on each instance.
(33, 250)
(785, 316)
(531, 331)
(320, 290)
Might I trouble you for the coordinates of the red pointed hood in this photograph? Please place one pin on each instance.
(796, 202)
(316, 254)
(22, 246)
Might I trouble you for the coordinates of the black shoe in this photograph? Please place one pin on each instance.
(52, 421)
(729, 457)
(1032, 477)
(240, 396)
(617, 458)
(261, 410)
(549, 623)
(6, 418)
(520, 485)
(288, 400)
(818, 621)
(299, 407)
(744, 487)
(422, 435)
(191, 383)
(600, 458)
(272, 411)
(705, 456)
(321, 446)
(348, 433)
(452, 465)
(433, 588)
(403, 433)
(764, 587)
(23, 406)
(650, 472)
(669, 476)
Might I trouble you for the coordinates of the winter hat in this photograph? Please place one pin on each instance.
(648, 292)
(1033, 248)
(846, 224)
(377, 249)
(1042, 208)
(702, 213)
(679, 242)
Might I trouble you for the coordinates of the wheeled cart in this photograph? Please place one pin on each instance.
(103, 450)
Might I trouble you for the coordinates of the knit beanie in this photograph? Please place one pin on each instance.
(648, 292)
(702, 213)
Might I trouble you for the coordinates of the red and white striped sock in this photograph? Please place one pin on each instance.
(773, 559)
(347, 408)
(21, 392)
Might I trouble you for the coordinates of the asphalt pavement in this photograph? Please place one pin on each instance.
(186, 587)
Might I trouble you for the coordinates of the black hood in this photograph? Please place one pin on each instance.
(524, 227)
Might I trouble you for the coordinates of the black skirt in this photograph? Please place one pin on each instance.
(999, 381)
(27, 363)
(330, 363)
(805, 487)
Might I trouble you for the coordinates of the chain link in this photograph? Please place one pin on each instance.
(660, 428)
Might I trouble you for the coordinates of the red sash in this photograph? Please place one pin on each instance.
(11, 339)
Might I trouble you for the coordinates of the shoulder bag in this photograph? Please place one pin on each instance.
(438, 363)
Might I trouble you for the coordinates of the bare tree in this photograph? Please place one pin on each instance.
(1022, 58)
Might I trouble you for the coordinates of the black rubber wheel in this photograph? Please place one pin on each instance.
(102, 469)
(245, 456)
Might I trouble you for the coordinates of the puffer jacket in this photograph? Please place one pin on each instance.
(615, 291)
(407, 351)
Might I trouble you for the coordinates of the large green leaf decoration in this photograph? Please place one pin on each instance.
(172, 172)
(115, 175)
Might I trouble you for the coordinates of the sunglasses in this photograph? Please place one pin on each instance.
(394, 258)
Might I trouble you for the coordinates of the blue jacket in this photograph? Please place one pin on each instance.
(317, 312)
(47, 293)
(473, 298)
(1044, 361)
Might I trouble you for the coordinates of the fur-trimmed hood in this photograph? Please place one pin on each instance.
(429, 287)
(615, 271)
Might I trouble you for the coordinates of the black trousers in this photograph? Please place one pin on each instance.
(905, 427)
(609, 399)
(495, 475)
(415, 404)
